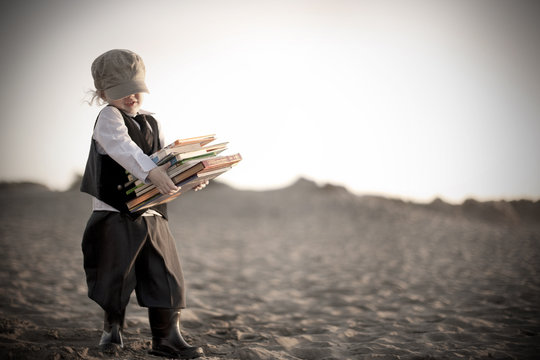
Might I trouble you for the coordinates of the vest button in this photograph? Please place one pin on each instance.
(119, 187)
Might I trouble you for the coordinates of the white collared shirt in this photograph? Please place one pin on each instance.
(112, 138)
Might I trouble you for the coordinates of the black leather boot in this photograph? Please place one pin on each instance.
(167, 340)
(113, 324)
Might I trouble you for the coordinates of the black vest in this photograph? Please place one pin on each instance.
(104, 178)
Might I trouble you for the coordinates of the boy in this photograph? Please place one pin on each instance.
(124, 251)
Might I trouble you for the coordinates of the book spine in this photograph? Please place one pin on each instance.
(158, 156)
(134, 189)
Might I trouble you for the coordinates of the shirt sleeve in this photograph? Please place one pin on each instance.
(111, 135)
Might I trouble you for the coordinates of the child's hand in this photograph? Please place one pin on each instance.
(201, 186)
(158, 176)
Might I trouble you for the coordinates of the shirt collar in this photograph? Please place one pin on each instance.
(145, 112)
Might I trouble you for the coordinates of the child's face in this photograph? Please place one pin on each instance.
(129, 104)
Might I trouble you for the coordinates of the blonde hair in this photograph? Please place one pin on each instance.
(95, 97)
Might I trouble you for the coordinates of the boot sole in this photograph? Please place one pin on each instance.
(192, 354)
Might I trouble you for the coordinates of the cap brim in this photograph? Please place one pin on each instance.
(126, 89)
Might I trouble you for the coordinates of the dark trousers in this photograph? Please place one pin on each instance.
(122, 255)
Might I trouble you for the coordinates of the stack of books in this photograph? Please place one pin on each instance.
(193, 162)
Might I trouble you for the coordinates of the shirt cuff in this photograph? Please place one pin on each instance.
(146, 164)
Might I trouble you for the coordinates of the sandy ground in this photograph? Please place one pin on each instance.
(305, 272)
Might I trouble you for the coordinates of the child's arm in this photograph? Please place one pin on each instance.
(113, 139)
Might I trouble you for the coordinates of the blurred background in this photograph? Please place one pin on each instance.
(414, 99)
(405, 100)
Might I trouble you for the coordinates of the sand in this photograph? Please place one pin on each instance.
(305, 272)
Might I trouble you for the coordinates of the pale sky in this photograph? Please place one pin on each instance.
(410, 99)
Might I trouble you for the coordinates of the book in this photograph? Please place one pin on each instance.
(154, 191)
(141, 187)
(185, 186)
(182, 146)
(202, 140)
(204, 167)
(175, 156)
(178, 163)
(192, 162)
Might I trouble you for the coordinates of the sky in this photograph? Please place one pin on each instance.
(410, 99)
